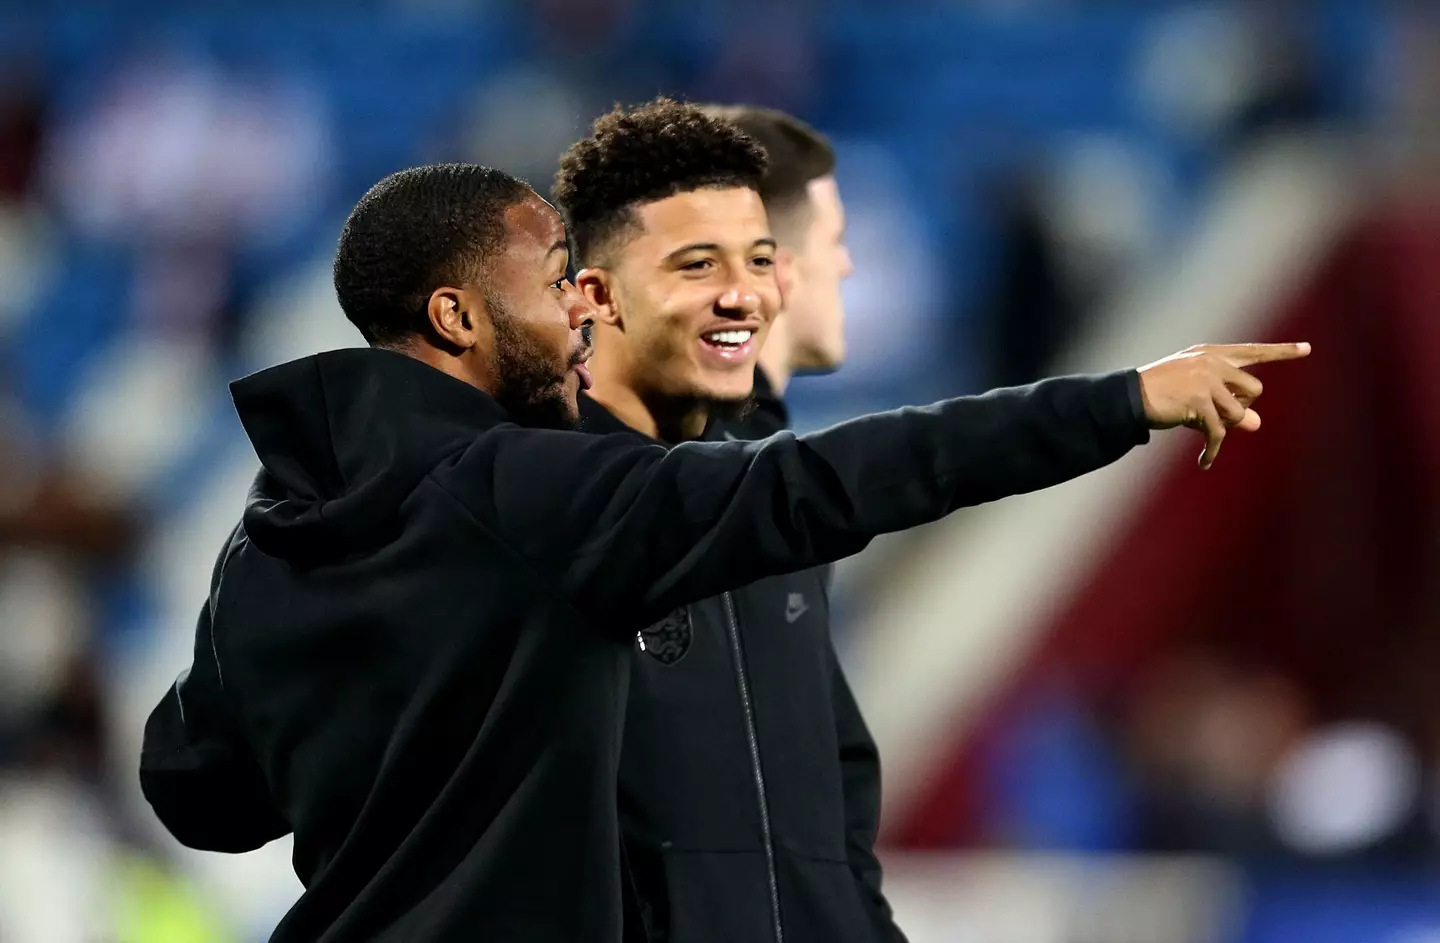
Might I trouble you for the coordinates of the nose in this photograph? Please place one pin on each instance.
(739, 301)
(582, 315)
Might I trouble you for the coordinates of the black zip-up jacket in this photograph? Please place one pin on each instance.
(416, 650)
(749, 783)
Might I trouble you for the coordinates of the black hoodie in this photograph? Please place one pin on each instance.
(415, 653)
(749, 783)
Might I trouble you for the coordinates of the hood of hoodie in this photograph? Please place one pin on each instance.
(343, 439)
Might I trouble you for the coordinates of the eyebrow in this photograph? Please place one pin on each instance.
(560, 246)
(715, 247)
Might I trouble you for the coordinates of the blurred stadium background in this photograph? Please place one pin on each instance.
(1149, 706)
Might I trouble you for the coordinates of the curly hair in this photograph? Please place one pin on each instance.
(413, 232)
(797, 153)
(637, 156)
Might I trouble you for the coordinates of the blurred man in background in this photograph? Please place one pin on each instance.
(749, 786)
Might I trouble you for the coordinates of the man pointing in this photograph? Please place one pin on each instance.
(415, 653)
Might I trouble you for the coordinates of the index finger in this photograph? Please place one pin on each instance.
(1243, 355)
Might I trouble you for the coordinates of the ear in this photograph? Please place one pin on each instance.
(455, 315)
(784, 272)
(598, 287)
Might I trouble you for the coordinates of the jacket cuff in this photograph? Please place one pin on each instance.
(1128, 409)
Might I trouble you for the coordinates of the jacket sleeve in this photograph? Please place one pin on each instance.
(860, 780)
(631, 530)
(196, 770)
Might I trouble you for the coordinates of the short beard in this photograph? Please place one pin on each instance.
(726, 411)
(527, 386)
(673, 412)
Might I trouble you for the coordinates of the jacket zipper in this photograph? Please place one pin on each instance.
(744, 682)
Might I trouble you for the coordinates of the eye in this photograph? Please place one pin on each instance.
(560, 283)
(764, 261)
(699, 265)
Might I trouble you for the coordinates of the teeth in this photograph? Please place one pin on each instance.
(729, 337)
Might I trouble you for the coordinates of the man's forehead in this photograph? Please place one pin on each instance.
(732, 214)
(534, 221)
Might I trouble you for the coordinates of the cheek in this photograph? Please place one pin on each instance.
(560, 307)
(770, 298)
(553, 325)
(800, 316)
(811, 269)
(554, 335)
(674, 322)
(679, 329)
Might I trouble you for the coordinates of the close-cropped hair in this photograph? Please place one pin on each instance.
(413, 232)
(640, 155)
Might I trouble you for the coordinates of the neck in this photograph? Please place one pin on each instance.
(668, 419)
(461, 368)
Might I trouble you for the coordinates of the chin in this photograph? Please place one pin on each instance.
(735, 383)
(822, 358)
(733, 392)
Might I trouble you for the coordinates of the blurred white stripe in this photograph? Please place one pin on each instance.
(944, 631)
(1053, 899)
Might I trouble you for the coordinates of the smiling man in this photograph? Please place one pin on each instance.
(680, 261)
(730, 783)
(749, 786)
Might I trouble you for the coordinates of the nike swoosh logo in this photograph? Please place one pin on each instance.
(794, 612)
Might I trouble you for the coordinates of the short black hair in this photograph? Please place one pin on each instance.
(798, 154)
(413, 232)
(640, 155)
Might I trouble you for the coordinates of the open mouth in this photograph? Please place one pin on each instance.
(732, 344)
